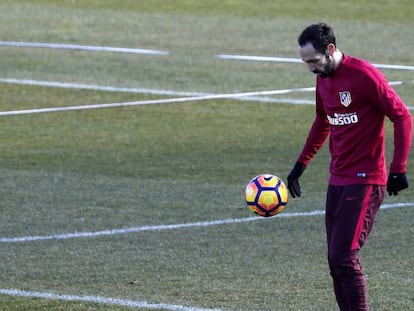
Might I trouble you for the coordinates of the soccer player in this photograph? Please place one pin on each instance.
(352, 100)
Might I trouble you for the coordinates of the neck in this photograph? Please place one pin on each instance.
(337, 58)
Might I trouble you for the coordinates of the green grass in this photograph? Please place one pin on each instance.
(93, 170)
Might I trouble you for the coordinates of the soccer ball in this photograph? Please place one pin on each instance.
(266, 195)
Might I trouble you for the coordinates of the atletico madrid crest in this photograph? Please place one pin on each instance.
(345, 98)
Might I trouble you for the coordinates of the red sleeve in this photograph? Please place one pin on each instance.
(318, 133)
(402, 144)
(395, 109)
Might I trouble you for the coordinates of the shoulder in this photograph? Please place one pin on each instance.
(362, 69)
(359, 65)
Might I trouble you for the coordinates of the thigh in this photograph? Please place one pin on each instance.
(350, 213)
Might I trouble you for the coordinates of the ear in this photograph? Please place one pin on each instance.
(331, 48)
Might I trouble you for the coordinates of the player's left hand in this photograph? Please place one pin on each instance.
(396, 182)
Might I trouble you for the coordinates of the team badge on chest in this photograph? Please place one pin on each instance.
(345, 98)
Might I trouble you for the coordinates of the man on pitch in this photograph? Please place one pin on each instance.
(352, 100)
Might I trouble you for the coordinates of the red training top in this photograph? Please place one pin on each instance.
(351, 105)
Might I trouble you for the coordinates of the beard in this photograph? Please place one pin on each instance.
(327, 69)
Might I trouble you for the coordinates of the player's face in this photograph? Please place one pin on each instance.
(318, 63)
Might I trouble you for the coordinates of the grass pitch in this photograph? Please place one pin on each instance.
(159, 165)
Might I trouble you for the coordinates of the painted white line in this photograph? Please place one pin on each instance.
(81, 47)
(147, 91)
(156, 101)
(160, 52)
(171, 227)
(395, 67)
(259, 58)
(297, 60)
(101, 300)
(94, 87)
(189, 96)
(126, 230)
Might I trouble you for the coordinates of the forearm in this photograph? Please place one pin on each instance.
(315, 140)
(402, 144)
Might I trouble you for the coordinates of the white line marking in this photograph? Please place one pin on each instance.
(94, 87)
(81, 47)
(160, 52)
(297, 60)
(259, 58)
(145, 91)
(101, 300)
(190, 96)
(171, 227)
(156, 101)
(238, 96)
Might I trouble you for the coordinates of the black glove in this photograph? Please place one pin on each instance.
(293, 179)
(396, 182)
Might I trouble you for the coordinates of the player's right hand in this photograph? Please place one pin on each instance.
(293, 179)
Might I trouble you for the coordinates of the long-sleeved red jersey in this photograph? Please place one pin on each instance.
(351, 106)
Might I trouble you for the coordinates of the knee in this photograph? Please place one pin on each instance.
(344, 265)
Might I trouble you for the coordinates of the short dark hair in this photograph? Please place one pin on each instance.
(320, 35)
